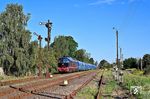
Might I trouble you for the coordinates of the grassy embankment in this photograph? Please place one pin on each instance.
(136, 78)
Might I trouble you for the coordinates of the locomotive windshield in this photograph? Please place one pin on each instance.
(63, 62)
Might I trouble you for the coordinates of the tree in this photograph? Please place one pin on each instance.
(80, 54)
(72, 45)
(15, 40)
(91, 61)
(64, 46)
(83, 56)
(33, 52)
(130, 63)
(49, 60)
(146, 63)
(104, 64)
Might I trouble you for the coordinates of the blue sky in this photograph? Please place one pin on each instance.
(90, 22)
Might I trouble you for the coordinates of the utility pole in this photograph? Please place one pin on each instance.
(116, 46)
(48, 26)
(118, 72)
(40, 40)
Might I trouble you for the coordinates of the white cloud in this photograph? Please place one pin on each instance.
(99, 2)
(102, 2)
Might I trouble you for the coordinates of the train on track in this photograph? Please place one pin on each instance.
(68, 64)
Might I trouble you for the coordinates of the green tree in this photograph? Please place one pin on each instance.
(104, 64)
(15, 40)
(146, 63)
(64, 46)
(83, 56)
(33, 52)
(80, 54)
(91, 61)
(130, 63)
(49, 60)
(72, 45)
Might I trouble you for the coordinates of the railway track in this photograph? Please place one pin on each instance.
(9, 82)
(43, 88)
(9, 87)
(99, 94)
(64, 92)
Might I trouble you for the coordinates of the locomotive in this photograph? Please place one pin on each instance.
(68, 64)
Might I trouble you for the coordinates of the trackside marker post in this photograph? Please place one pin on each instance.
(65, 82)
(51, 75)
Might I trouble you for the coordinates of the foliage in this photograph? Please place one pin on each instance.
(130, 63)
(34, 56)
(64, 46)
(49, 60)
(67, 46)
(137, 80)
(83, 56)
(88, 93)
(1, 78)
(104, 64)
(15, 40)
(147, 70)
(80, 54)
(110, 86)
(146, 63)
(137, 72)
(91, 61)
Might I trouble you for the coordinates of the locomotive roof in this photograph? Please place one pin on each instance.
(70, 58)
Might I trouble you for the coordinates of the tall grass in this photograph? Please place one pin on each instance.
(135, 80)
(138, 80)
(111, 84)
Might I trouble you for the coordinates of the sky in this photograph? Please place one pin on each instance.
(91, 22)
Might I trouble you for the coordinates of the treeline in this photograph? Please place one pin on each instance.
(21, 56)
(140, 64)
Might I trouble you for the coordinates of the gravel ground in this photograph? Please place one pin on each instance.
(60, 91)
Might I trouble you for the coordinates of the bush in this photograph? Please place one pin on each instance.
(1, 78)
(147, 70)
(137, 72)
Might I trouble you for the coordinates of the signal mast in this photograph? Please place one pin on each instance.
(48, 25)
(39, 65)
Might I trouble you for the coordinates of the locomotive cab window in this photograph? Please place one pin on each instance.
(63, 64)
(63, 60)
